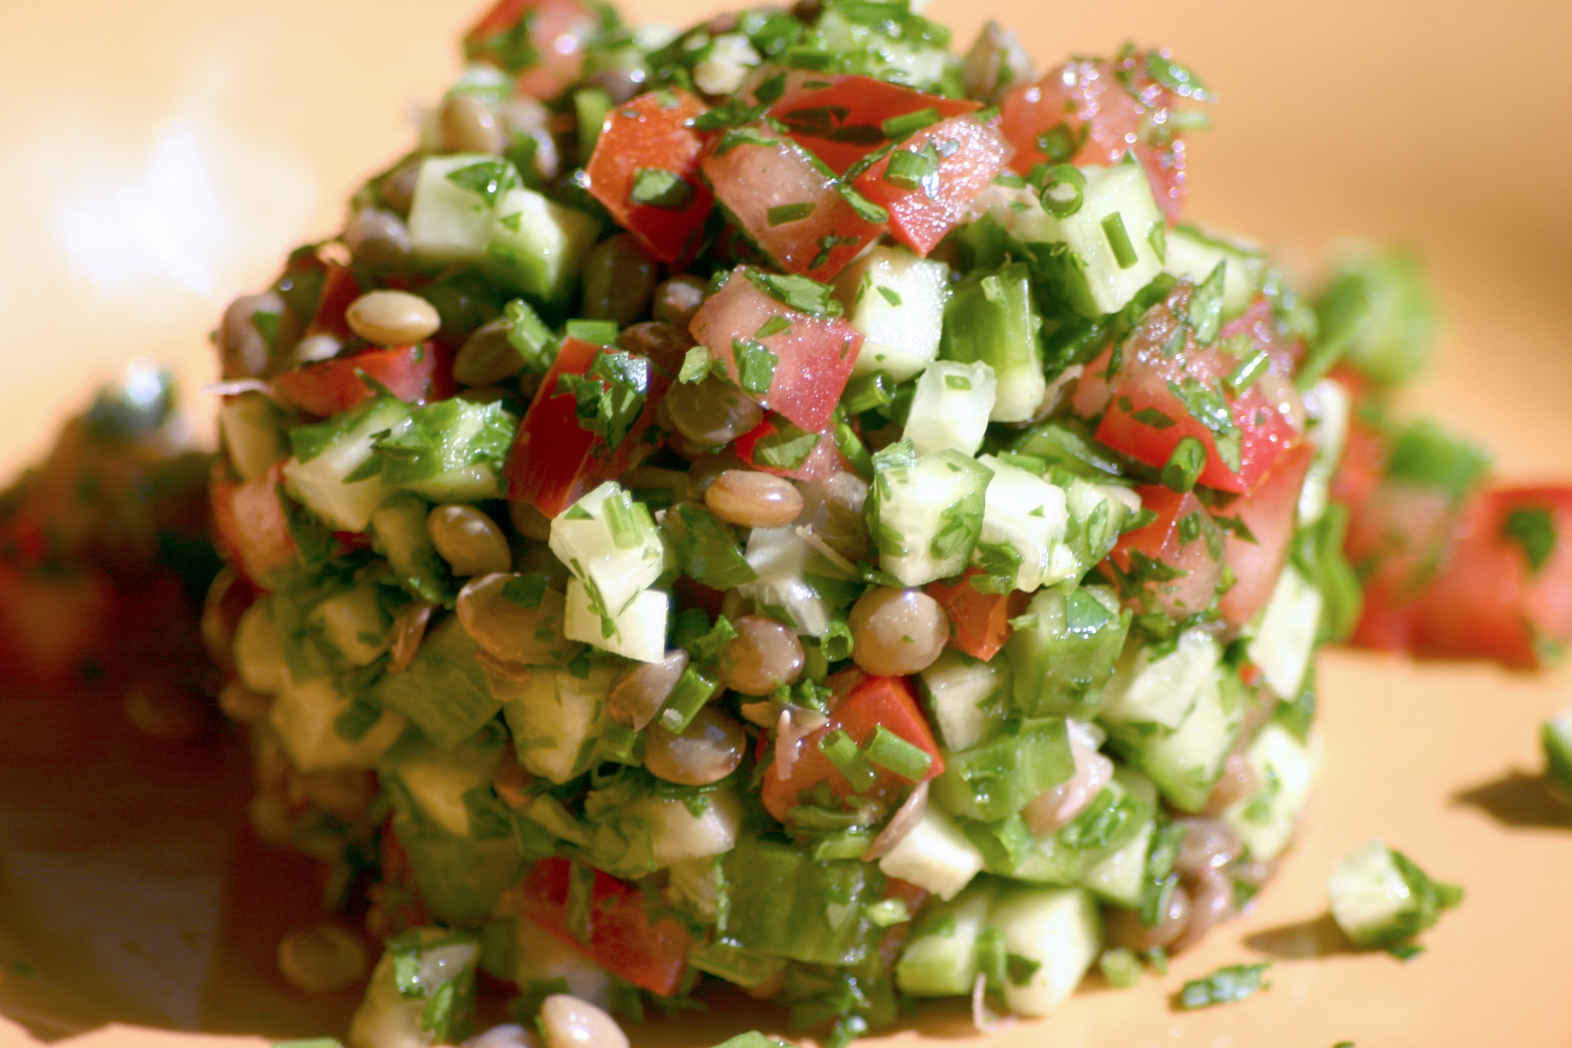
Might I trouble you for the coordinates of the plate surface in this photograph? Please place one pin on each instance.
(163, 156)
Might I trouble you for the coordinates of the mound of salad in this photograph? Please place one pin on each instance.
(790, 504)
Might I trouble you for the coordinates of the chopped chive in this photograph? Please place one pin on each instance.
(1157, 237)
(1119, 240)
(1205, 311)
(692, 690)
(1064, 189)
(890, 295)
(912, 169)
(868, 392)
(909, 123)
(842, 752)
(1244, 376)
(599, 332)
(1185, 465)
(889, 751)
(781, 214)
(864, 208)
(1058, 143)
(657, 187)
(775, 325)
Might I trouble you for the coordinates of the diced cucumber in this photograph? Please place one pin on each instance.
(398, 532)
(1115, 816)
(1186, 761)
(1056, 929)
(305, 718)
(610, 543)
(1378, 311)
(252, 428)
(1284, 768)
(897, 301)
(934, 855)
(940, 958)
(786, 567)
(1329, 408)
(1097, 516)
(966, 697)
(926, 512)
(785, 903)
(1120, 876)
(992, 317)
(1160, 687)
(1555, 738)
(445, 690)
(436, 780)
(902, 56)
(1098, 257)
(950, 407)
(1283, 638)
(1062, 655)
(537, 246)
(556, 718)
(1381, 898)
(459, 878)
(454, 208)
(1192, 254)
(541, 958)
(259, 650)
(321, 480)
(746, 969)
(674, 831)
(392, 1013)
(995, 779)
(353, 624)
(1028, 517)
(695, 883)
(638, 631)
(449, 451)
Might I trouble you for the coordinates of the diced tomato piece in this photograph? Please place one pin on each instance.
(1365, 449)
(621, 937)
(862, 705)
(339, 289)
(331, 387)
(1092, 112)
(813, 355)
(979, 622)
(1268, 513)
(1505, 592)
(541, 40)
(554, 460)
(969, 154)
(51, 622)
(1259, 322)
(1160, 368)
(249, 525)
(823, 460)
(786, 201)
(1170, 565)
(1397, 537)
(840, 118)
(652, 133)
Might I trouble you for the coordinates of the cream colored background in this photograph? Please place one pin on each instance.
(161, 156)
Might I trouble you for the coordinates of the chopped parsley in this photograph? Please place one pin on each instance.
(657, 187)
(1224, 986)
(1535, 534)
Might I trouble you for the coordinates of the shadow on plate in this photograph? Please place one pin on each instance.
(1518, 799)
(1301, 940)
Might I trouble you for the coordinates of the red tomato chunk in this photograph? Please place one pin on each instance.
(412, 373)
(540, 40)
(965, 155)
(1174, 563)
(650, 138)
(979, 622)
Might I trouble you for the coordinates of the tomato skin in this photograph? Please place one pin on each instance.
(557, 31)
(1268, 512)
(844, 103)
(621, 937)
(979, 622)
(1398, 536)
(752, 179)
(331, 387)
(249, 525)
(972, 154)
(339, 289)
(651, 131)
(1144, 417)
(864, 703)
(1488, 601)
(814, 354)
(1259, 323)
(1086, 98)
(1199, 560)
(825, 459)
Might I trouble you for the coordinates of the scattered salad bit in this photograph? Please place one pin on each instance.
(1224, 986)
(1555, 738)
(1382, 899)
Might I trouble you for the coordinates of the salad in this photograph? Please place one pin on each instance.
(790, 504)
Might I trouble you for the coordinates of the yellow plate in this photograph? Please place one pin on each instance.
(162, 156)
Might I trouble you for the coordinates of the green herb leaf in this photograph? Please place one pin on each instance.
(755, 365)
(1534, 532)
(803, 294)
(610, 395)
(1225, 985)
(657, 187)
(488, 179)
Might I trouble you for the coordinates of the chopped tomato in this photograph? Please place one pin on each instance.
(1165, 388)
(249, 525)
(863, 703)
(1174, 563)
(1093, 112)
(339, 289)
(841, 118)
(540, 40)
(1259, 322)
(651, 133)
(621, 937)
(823, 460)
(786, 201)
(1505, 591)
(412, 373)
(979, 622)
(799, 362)
(1397, 538)
(1257, 559)
(52, 622)
(554, 460)
(965, 155)
(1365, 451)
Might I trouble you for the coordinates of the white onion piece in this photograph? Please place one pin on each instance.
(905, 819)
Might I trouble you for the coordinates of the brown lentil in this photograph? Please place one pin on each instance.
(242, 351)
(529, 521)
(995, 61)
(1235, 784)
(619, 278)
(409, 629)
(753, 499)
(620, 84)
(377, 237)
(678, 299)
(468, 125)
(711, 412)
(468, 540)
(833, 512)
(764, 655)
(1211, 902)
(507, 630)
(639, 691)
(393, 318)
(708, 750)
(398, 188)
(1207, 844)
(1125, 928)
(487, 356)
(896, 632)
(322, 958)
(569, 1022)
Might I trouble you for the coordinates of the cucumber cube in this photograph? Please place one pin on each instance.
(556, 717)
(897, 301)
(782, 562)
(935, 856)
(1185, 762)
(445, 691)
(1381, 898)
(940, 959)
(1120, 876)
(638, 631)
(1192, 254)
(252, 428)
(995, 779)
(993, 318)
(1556, 740)
(1284, 768)
(454, 208)
(1328, 406)
(926, 512)
(1064, 652)
(437, 780)
(966, 697)
(1057, 929)
(353, 624)
(1283, 639)
(537, 247)
(1161, 689)
(1028, 517)
(319, 477)
(1097, 516)
(610, 543)
(950, 407)
(304, 718)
